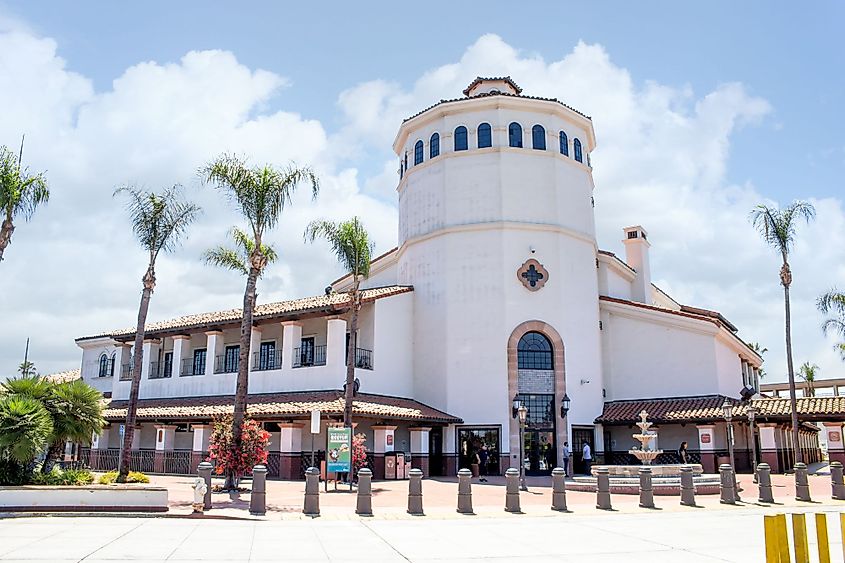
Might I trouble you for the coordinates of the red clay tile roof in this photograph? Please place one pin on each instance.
(708, 408)
(333, 303)
(63, 376)
(479, 79)
(489, 94)
(282, 405)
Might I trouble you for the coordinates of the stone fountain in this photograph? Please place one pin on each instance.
(645, 454)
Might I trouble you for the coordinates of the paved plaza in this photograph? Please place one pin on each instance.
(694, 536)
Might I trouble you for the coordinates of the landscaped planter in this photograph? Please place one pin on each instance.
(88, 498)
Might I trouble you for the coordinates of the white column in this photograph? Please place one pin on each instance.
(383, 439)
(150, 350)
(181, 343)
(213, 348)
(101, 441)
(336, 344)
(165, 437)
(254, 346)
(202, 432)
(291, 339)
(136, 438)
(419, 440)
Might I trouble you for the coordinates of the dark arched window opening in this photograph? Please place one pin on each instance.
(538, 137)
(576, 146)
(534, 352)
(406, 160)
(418, 153)
(461, 138)
(564, 144)
(105, 365)
(485, 136)
(515, 135)
(434, 145)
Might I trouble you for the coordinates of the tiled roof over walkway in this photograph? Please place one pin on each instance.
(708, 408)
(271, 406)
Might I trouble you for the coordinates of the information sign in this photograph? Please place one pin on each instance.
(339, 450)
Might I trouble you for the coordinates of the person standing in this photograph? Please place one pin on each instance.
(483, 458)
(587, 456)
(682, 452)
(566, 454)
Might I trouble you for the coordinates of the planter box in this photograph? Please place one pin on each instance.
(88, 498)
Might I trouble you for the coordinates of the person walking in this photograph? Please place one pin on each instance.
(682, 453)
(587, 456)
(566, 454)
(483, 458)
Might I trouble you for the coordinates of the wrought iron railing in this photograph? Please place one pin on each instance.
(159, 370)
(305, 461)
(126, 372)
(222, 364)
(190, 366)
(266, 361)
(665, 458)
(142, 460)
(363, 358)
(310, 356)
(178, 462)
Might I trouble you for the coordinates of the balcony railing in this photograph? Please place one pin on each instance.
(221, 365)
(306, 357)
(191, 367)
(126, 372)
(266, 361)
(363, 358)
(160, 370)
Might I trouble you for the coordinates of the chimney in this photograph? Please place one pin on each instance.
(636, 255)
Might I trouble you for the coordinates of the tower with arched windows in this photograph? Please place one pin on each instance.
(497, 231)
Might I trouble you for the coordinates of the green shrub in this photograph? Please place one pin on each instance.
(12, 473)
(133, 477)
(74, 477)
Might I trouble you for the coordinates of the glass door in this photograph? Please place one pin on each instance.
(539, 454)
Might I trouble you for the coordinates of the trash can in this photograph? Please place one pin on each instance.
(390, 465)
(400, 465)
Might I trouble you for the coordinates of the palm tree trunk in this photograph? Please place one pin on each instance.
(137, 359)
(243, 369)
(350, 357)
(53, 453)
(6, 231)
(793, 403)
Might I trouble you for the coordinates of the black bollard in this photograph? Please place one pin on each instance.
(258, 496)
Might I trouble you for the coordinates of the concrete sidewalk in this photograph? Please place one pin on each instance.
(651, 536)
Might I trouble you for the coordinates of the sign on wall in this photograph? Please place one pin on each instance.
(339, 450)
(834, 437)
(705, 438)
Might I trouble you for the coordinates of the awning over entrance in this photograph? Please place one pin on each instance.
(708, 408)
(286, 405)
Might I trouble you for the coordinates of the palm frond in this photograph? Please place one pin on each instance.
(840, 347)
(77, 411)
(349, 241)
(158, 220)
(20, 192)
(25, 427)
(223, 257)
(778, 226)
(237, 258)
(832, 301)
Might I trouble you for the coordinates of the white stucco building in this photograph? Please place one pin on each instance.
(497, 291)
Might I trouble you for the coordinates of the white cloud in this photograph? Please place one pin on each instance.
(661, 159)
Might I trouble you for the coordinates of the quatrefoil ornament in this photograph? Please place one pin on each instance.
(532, 274)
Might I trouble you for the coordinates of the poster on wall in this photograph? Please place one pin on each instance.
(339, 450)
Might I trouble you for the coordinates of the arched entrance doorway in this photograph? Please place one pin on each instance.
(536, 378)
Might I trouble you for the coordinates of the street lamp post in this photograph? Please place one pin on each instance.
(727, 409)
(564, 410)
(520, 412)
(752, 414)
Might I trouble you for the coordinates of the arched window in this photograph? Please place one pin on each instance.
(418, 153)
(515, 135)
(485, 136)
(576, 146)
(534, 352)
(406, 160)
(538, 137)
(461, 138)
(434, 145)
(564, 144)
(105, 364)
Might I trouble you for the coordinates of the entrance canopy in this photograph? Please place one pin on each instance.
(270, 406)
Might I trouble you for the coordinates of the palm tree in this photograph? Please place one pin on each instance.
(807, 372)
(833, 302)
(20, 193)
(27, 369)
(75, 409)
(25, 428)
(759, 350)
(158, 221)
(351, 244)
(260, 193)
(777, 227)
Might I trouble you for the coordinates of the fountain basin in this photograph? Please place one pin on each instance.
(705, 484)
(633, 471)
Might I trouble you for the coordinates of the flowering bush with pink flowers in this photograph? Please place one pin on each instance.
(221, 448)
(359, 453)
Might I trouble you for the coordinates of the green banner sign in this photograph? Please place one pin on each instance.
(339, 450)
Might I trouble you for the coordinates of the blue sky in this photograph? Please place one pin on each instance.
(786, 52)
(700, 110)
